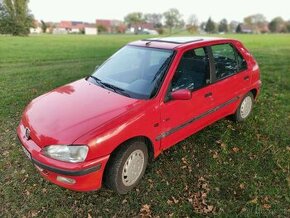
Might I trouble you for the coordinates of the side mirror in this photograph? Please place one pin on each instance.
(181, 94)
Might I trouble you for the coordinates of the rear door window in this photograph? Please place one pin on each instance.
(227, 60)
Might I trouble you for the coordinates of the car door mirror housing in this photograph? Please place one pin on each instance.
(181, 94)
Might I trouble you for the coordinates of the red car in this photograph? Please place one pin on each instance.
(148, 96)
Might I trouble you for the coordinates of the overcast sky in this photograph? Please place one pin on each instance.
(89, 10)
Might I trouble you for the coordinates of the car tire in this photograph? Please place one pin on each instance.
(126, 166)
(245, 108)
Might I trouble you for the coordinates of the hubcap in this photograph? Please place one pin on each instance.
(133, 167)
(246, 107)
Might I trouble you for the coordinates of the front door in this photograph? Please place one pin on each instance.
(181, 118)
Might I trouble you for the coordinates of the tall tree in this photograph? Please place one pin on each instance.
(134, 18)
(223, 26)
(192, 23)
(239, 28)
(173, 18)
(44, 26)
(210, 26)
(154, 18)
(277, 25)
(15, 17)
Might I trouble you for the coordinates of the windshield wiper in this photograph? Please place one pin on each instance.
(110, 86)
(115, 89)
(94, 78)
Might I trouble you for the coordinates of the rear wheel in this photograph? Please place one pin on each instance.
(127, 166)
(245, 108)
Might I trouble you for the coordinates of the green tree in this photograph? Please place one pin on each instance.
(239, 28)
(134, 18)
(277, 25)
(154, 18)
(173, 18)
(223, 26)
(15, 17)
(44, 26)
(210, 26)
(101, 28)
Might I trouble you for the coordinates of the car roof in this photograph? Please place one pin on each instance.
(176, 42)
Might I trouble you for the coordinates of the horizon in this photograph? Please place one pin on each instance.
(89, 10)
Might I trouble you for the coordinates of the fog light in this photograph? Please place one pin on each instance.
(65, 180)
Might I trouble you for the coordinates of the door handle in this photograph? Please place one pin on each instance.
(208, 95)
(246, 78)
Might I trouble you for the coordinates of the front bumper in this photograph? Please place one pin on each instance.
(87, 176)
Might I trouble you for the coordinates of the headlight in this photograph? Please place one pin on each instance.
(67, 153)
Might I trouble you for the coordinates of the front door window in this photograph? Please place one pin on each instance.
(193, 71)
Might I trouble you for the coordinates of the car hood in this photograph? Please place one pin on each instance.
(66, 113)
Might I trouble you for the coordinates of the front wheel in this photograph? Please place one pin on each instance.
(127, 166)
(245, 108)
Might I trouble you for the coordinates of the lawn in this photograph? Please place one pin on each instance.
(227, 169)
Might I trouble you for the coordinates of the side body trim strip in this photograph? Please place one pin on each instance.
(177, 128)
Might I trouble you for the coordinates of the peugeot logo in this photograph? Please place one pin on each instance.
(27, 133)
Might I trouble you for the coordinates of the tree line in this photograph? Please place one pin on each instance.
(172, 19)
(16, 19)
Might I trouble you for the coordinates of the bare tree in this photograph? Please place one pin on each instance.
(192, 23)
(173, 18)
(257, 21)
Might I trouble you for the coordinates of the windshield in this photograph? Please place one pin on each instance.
(134, 71)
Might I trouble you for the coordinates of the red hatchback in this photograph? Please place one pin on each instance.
(148, 96)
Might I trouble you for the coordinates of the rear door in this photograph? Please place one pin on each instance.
(231, 78)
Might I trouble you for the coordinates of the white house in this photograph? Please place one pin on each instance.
(91, 31)
(35, 30)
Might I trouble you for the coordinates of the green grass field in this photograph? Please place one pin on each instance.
(227, 169)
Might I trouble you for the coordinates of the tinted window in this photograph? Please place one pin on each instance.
(192, 71)
(227, 60)
(134, 71)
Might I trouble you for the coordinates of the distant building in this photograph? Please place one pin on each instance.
(142, 28)
(91, 31)
(36, 29)
(259, 28)
(65, 27)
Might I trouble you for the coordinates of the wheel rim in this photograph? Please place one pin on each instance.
(246, 107)
(133, 167)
